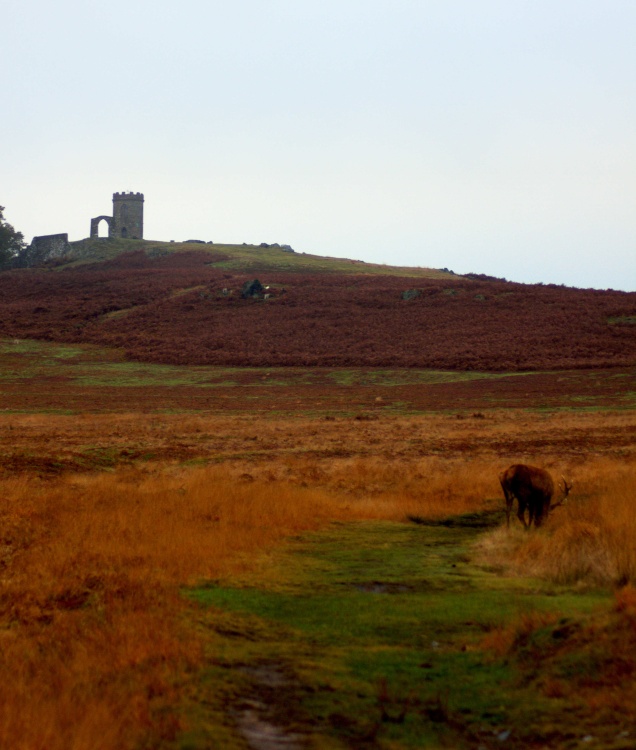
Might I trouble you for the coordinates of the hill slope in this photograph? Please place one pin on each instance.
(244, 258)
(182, 304)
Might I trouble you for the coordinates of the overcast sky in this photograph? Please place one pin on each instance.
(494, 136)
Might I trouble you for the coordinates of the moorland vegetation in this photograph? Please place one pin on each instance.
(210, 556)
(185, 307)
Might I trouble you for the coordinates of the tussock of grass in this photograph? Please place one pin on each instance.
(590, 540)
(590, 660)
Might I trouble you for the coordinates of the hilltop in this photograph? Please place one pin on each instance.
(183, 303)
(242, 257)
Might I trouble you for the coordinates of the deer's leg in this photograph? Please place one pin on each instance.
(509, 500)
(539, 516)
(521, 513)
(538, 508)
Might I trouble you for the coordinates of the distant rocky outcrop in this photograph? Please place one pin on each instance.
(284, 248)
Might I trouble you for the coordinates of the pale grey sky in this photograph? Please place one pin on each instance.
(494, 136)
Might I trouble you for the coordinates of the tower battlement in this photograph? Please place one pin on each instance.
(128, 196)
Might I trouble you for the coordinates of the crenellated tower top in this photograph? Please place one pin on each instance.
(128, 196)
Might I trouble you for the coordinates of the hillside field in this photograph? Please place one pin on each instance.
(182, 304)
(257, 523)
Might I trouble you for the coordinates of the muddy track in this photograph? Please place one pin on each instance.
(268, 715)
(370, 635)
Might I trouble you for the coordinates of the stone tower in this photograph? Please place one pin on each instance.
(128, 216)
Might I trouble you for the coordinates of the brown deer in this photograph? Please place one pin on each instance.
(533, 489)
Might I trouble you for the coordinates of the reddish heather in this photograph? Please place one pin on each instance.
(172, 309)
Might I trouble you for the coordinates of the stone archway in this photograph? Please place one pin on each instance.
(95, 225)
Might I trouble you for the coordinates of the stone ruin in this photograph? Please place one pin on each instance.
(127, 220)
(44, 248)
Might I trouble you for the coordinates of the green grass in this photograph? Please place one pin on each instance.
(378, 626)
(622, 320)
(388, 377)
(245, 258)
(97, 366)
(31, 363)
(40, 348)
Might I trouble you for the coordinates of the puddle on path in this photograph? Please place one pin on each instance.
(261, 734)
(260, 716)
(377, 587)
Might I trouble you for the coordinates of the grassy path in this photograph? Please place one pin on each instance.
(371, 635)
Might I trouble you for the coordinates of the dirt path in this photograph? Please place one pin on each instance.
(371, 635)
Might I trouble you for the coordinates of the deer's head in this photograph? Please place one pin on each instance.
(565, 491)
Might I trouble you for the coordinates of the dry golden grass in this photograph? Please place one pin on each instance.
(560, 441)
(94, 644)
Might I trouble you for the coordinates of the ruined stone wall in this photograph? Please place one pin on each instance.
(44, 248)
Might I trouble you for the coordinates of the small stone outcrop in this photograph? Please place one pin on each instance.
(276, 246)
